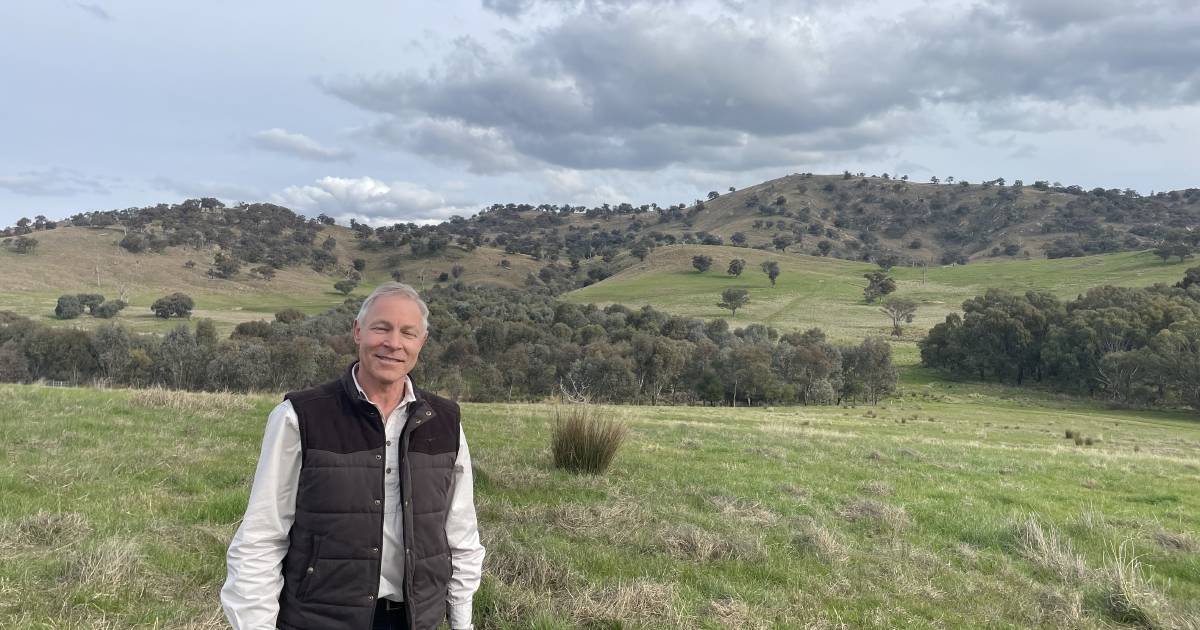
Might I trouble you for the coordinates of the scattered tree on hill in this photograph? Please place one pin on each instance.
(329, 243)
(90, 301)
(640, 250)
(879, 284)
(289, 316)
(899, 310)
(345, 286)
(457, 271)
(359, 264)
(782, 242)
(173, 305)
(771, 268)
(733, 299)
(702, 263)
(109, 309)
(824, 247)
(25, 245)
(68, 307)
(225, 266)
(736, 267)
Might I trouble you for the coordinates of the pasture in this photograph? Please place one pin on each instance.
(949, 506)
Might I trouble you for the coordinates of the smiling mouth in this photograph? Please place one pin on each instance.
(389, 360)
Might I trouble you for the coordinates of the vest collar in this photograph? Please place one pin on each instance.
(419, 410)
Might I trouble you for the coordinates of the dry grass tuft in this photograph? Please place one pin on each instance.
(744, 510)
(733, 613)
(879, 515)
(1128, 596)
(175, 400)
(1045, 549)
(1172, 541)
(46, 529)
(584, 441)
(821, 541)
(1060, 609)
(112, 565)
(690, 542)
(528, 569)
(641, 603)
(876, 487)
(610, 521)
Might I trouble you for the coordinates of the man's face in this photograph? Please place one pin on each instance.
(389, 339)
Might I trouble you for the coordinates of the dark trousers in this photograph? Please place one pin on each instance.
(390, 615)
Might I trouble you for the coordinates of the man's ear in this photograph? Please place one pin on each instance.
(354, 331)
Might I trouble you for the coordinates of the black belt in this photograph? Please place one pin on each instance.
(389, 605)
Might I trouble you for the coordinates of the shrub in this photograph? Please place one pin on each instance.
(289, 315)
(109, 309)
(68, 307)
(583, 442)
(176, 304)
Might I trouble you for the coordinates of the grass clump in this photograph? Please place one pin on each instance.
(1045, 549)
(583, 442)
(1128, 596)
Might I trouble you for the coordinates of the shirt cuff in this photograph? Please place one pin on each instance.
(460, 616)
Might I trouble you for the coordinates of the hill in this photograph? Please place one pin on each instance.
(948, 507)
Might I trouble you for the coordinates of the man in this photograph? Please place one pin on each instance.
(361, 514)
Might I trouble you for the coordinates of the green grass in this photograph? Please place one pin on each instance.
(827, 292)
(116, 507)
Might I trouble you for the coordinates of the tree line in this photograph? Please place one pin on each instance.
(486, 344)
(1136, 346)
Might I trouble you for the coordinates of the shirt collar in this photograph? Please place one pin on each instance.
(409, 394)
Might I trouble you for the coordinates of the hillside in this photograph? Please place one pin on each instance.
(828, 293)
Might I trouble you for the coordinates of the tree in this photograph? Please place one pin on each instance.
(225, 266)
(712, 194)
(782, 241)
(345, 286)
(329, 243)
(25, 245)
(640, 250)
(90, 301)
(879, 284)
(359, 264)
(733, 299)
(736, 267)
(899, 310)
(702, 263)
(824, 247)
(109, 309)
(173, 305)
(738, 238)
(771, 268)
(68, 307)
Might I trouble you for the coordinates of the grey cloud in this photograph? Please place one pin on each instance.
(645, 88)
(297, 145)
(1137, 134)
(508, 8)
(53, 182)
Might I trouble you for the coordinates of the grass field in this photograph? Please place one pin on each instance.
(951, 506)
(828, 292)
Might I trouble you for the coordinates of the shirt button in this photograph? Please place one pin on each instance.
(374, 549)
(377, 501)
(388, 470)
(389, 442)
(310, 569)
(378, 457)
(370, 597)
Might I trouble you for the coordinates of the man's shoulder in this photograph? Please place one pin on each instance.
(440, 405)
(324, 390)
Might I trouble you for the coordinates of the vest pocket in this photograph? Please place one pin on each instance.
(310, 566)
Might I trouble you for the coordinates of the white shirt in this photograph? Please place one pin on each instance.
(254, 579)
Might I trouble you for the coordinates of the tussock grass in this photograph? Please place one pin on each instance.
(691, 542)
(821, 541)
(158, 398)
(45, 529)
(583, 441)
(744, 510)
(640, 603)
(1128, 596)
(1175, 541)
(1061, 608)
(876, 487)
(877, 515)
(114, 564)
(1047, 550)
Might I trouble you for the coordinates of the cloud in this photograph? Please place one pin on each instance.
(371, 201)
(1137, 134)
(194, 189)
(297, 145)
(53, 182)
(656, 85)
(94, 10)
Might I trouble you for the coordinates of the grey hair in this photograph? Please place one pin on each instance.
(394, 288)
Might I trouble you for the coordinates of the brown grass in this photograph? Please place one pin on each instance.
(1043, 547)
(880, 516)
(820, 541)
(690, 542)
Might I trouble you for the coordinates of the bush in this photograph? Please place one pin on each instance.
(176, 304)
(68, 307)
(583, 442)
(109, 309)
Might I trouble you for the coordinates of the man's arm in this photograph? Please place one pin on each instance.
(462, 531)
(250, 596)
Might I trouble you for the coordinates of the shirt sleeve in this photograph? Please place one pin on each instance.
(254, 578)
(462, 532)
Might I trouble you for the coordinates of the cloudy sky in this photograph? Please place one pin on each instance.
(407, 111)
